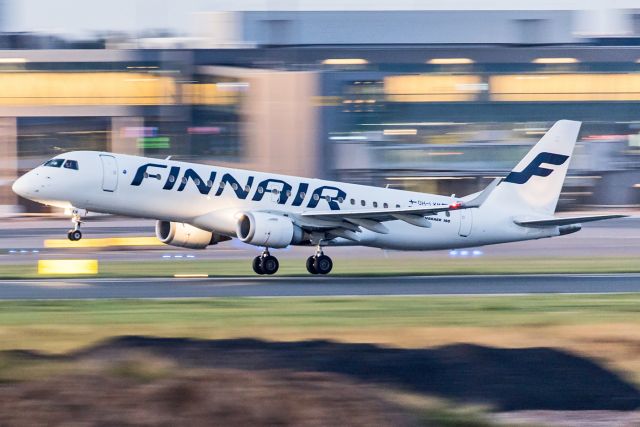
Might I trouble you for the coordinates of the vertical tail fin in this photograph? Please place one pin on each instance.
(534, 185)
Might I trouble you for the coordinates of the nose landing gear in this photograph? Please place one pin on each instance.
(319, 263)
(75, 234)
(265, 263)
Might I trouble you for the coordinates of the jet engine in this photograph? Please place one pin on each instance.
(264, 229)
(186, 236)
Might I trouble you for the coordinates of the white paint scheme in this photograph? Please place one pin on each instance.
(103, 184)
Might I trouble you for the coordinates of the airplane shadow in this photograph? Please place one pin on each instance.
(505, 379)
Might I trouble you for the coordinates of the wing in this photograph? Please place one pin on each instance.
(373, 219)
(549, 222)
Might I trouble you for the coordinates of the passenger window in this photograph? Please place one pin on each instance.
(363, 203)
(398, 206)
(353, 201)
(316, 197)
(386, 205)
(54, 163)
(340, 200)
(303, 195)
(375, 204)
(71, 164)
(234, 186)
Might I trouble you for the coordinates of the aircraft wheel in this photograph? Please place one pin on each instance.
(310, 267)
(74, 235)
(270, 264)
(257, 265)
(323, 264)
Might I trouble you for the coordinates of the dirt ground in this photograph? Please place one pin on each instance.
(196, 398)
(147, 381)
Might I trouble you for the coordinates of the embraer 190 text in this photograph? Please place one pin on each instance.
(199, 205)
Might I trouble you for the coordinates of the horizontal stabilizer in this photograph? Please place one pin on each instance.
(550, 222)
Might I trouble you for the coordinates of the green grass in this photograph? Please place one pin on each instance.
(64, 325)
(360, 267)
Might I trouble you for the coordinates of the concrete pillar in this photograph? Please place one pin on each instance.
(124, 138)
(8, 164)
(280, 123)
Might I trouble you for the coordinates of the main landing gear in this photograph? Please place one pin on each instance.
(75, 234)
(265, 263)
(319, 263)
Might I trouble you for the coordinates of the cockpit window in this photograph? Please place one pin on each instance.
(54, 163)
(71, 164)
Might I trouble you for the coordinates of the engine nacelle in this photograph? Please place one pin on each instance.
(263, 229)
(186, 236)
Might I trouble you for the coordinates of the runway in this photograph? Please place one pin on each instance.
(309, 286)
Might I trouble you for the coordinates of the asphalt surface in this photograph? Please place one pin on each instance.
(319, 286)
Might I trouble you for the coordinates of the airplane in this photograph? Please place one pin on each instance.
(198, 205)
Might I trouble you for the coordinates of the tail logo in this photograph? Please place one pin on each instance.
(535, 168)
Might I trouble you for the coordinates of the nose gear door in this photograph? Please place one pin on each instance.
(109, 173)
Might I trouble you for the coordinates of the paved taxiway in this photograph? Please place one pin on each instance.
(318, 286)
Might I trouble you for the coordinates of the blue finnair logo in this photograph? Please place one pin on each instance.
(534, 168)
(280, 190)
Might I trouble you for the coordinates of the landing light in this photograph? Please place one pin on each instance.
(456, 205)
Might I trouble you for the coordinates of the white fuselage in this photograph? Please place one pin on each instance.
(212, 197)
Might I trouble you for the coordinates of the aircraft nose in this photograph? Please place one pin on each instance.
(22, 186)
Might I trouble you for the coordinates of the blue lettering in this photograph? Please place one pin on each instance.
(142, 173)
(285, 190)
(203, 187)
(318, 195)
(172, 178)
(241, 192)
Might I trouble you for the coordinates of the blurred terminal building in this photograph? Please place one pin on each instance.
(438, 101)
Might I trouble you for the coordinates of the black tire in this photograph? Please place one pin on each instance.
(257, 265)
(323, 264)
(270, 264)
(69, 235)
(76, 234)
(310, 268)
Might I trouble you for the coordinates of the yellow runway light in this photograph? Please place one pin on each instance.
(190, 276)
(103, 242)
(68, 266)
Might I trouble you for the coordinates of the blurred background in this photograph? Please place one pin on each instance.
(414, 95)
